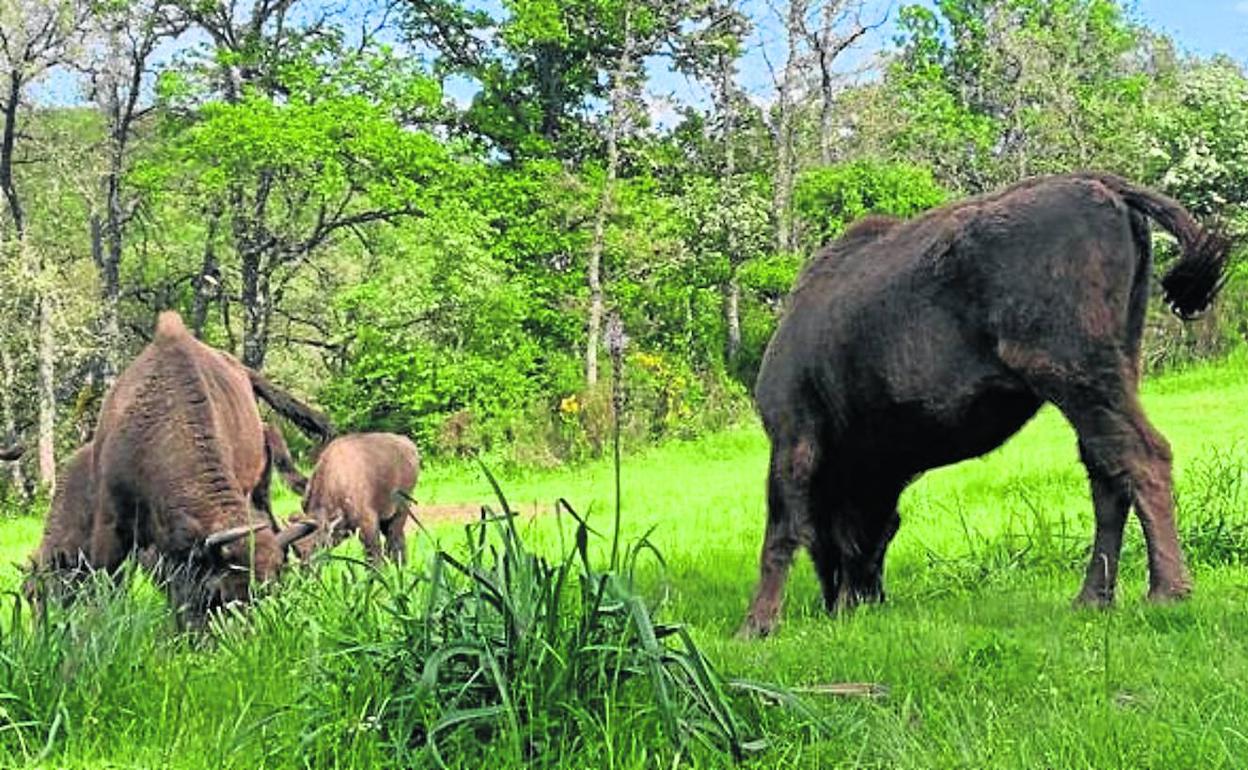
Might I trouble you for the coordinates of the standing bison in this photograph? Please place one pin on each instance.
(179, 461)
(362, 479)
(909, 345)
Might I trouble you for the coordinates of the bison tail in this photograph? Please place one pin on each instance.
(1191, 284)
(303, 416)
(279, 453)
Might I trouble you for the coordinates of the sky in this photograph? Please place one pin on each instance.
(1202, 27)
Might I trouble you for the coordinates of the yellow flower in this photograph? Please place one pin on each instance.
(570, 405)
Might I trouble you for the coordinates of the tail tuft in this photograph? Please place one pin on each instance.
(1191, 284)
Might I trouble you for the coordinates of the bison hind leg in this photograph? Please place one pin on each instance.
(790, 482)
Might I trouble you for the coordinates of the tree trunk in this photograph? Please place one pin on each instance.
(827, 54)
(783, 194)
(110, 269)
(207, 283)
(9, 372)
(47, 395)
(732, 289)
(732, 312)
(256, 298)
(594, 269)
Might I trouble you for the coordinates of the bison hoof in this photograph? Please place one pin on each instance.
(756, 628)
(1170, 592)
(1094, 599)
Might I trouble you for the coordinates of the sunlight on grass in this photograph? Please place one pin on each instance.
(985, 662)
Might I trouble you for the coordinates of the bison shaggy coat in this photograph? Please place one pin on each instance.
(909, 345)
(362, 479)
(61, 558)
(180, 465)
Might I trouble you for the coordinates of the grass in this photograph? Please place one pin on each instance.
(984, 661)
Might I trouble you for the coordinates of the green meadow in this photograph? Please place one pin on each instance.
(976, 660)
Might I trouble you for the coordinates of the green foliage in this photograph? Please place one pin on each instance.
(1199, 146)
(990, 92)
(829, 199)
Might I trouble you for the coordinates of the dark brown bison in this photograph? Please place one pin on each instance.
(909, 345)
(179, 457)
(362, 479)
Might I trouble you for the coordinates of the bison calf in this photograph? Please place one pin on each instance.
(361, 479)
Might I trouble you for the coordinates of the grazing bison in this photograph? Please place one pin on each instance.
(179, 454)
(362, 479)
(909, 345)
(61, 560)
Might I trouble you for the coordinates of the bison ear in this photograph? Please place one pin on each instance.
(295, 531)
(227, 536)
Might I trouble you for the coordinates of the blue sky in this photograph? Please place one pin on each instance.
(1203, 27)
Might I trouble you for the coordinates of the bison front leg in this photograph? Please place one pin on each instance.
(848, 553)
(788, 516)
(867, 580)
(396, 539)
(370, 536)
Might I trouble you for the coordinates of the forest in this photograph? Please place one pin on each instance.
(420, 215)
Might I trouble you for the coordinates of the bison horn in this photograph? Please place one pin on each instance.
(295, 531)
(227, 536)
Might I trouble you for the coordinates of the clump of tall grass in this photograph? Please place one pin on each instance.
(1211, 500)
(502, 650)
(77, 665)
(1035, 539)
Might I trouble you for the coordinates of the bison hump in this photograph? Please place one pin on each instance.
(169, 325)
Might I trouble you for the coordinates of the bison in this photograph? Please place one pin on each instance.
(61, 560)
(908, 345)
(61, 556)
(281, 461)
(363, 480)
(179, 463)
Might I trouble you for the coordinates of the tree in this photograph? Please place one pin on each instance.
(35, 37)
(991, 91)
(123, 38)
(623, 82)
(840, 27)
(297, 137)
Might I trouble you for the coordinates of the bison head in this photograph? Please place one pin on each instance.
(223, 568)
